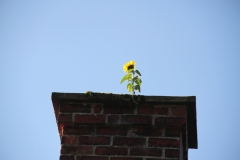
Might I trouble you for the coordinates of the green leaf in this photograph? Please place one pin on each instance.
(135, 78)
(131, 71)
(130, 76)
(138, 73)
(138, 82)
(129, 87)
(126, 77)
(137, 87)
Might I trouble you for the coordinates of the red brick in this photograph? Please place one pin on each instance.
(97, 109)
(89, 119)
(161, 111)
(172, 153)
(122, 141)
(121, 131)
(179, 111)
(147, 131)
(118, 109)
(70, 108)
(136, 119)
(172, 132)
(79, 130)
(63, 157)
(113, 119)
(98, 140)
(111, 151)
(91, 158)
(145, 110)
(60, 128)
(170, 121)
(65, 118)
(146, 152)
(69, 139)
(76, 150)
(163, 142)
(125, 158)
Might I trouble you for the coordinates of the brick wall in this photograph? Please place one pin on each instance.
(98, 131)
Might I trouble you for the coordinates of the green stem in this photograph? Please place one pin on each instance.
(133, 90)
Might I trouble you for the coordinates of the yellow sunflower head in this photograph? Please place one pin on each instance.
(129, 65)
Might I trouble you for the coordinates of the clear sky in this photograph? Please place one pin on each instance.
(182, 48)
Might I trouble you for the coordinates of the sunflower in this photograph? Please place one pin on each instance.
(128, 66)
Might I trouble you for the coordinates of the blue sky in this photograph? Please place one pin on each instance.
(181, 48)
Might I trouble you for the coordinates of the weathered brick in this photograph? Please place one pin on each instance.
(145, 110)
(163, 142)
(64, 157)
(69, 139)
(122, 141)
(91, 158)
(79, 130)
(76, 149)
(161, 111)
(96, 140)
(136, 119)
(147, 131)
(179, 111)
(121, 131)
(60, 128)
(111, 151)
(97, 109)
(125, 158)
(172, 153)
(66, 118)
(118, 109)
(146, 152)
(113, 119)
(172, 132)
(138, 132)
(89, 119)
(75, 107)
(170, 121)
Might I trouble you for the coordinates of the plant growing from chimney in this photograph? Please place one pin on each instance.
(134, 82)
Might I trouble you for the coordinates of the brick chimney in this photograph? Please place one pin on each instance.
(98, 126)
